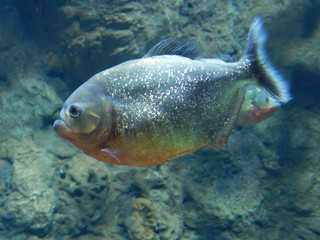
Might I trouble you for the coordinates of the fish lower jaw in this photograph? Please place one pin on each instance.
(62, 130)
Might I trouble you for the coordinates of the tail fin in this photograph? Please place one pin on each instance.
(267, 76)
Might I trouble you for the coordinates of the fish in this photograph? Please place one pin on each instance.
(257, 106)
(169, 103)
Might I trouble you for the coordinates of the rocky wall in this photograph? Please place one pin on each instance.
(263, 185)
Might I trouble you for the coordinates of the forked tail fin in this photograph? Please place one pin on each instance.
(266, 75)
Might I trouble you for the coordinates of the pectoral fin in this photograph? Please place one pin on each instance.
(115, 153)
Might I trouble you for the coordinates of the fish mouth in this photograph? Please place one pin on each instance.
(62, 129)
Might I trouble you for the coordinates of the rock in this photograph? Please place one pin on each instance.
(151, 221)
(31, 201)
(82, 187)
(263, 185)
(93, 36)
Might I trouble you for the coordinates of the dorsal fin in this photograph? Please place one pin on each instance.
(173, 46)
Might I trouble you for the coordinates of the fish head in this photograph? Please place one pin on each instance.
(86, 119)
(258, 106)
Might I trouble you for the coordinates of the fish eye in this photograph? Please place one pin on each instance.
(74, 111)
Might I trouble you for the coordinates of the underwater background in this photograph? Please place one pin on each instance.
(264, 185)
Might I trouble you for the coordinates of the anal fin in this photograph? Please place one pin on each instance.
(222, 137)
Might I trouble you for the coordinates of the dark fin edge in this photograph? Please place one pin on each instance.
(223, 135)
(267, 76)
(173, 46)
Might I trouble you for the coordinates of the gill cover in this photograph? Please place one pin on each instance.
(83, 110)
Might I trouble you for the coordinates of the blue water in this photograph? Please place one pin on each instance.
(264, 184)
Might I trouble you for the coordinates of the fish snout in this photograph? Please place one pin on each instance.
(62, 129)
(57, 125)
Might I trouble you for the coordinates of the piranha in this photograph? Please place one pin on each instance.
(257, 106)
(170, 102)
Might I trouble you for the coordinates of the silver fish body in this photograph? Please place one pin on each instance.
(172, 91)
(146, 111)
